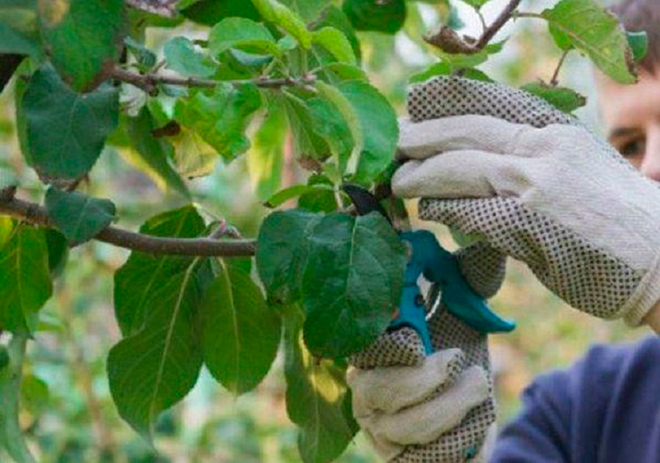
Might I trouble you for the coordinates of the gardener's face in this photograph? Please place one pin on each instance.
(632, 117)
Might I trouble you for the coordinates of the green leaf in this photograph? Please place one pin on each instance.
(338, 127)
(211, 12)
(307, 144)
(336, 43)
(293, 192)
(265, 158)
(142, 273)
(145, 57)
(376, 120)
(84, 38)
(193, 157)
(351, 283)
(221, 117)
(153, 154)
(375, 15)
(566, 99)
(58, 251)
(25, 284)
(319, 199)
(282, 252)
(66, 130)
(277, 13)
(79, 217)
(182, 57)
(240, 332)
(317, 398)
(11, 435)
(462, 61)
(333, 16)
(309, 10)
(444, 68)
(159, 362)
(243, 34)
(596, 32)
(341, 71)
(639, 44)
(476, 3)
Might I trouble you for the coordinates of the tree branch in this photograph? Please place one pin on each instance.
(149, 82)
(201, 247)
(450, 42)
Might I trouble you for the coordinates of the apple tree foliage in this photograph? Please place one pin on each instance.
(319, 283)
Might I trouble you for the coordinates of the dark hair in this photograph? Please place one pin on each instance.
(642, 15)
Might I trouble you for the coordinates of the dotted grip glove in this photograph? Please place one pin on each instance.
(438, 408)
(536, 185)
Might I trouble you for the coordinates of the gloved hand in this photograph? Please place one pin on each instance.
(438, 408)
(536, 185)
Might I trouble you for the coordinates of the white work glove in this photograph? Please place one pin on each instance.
(440, 408)
(536, 185)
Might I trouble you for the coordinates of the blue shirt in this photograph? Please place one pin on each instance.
(604, 409)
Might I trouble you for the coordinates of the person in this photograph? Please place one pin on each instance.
(537, 186)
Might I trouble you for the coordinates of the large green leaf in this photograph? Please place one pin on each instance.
(336, 43)
(79, 217)
(153, 154)
(317, 398)
(351, 283)
(596, 32)
(83, 37)
(282, 252)
(309, 10)
(221, 117)
(142, 273)
(339, 128)
(65, 130)
(240, 332)
(11, 435)
(182, 57)
(158, 364)
(374, 126)
(243, 34)
(375, 15)
(25, 284)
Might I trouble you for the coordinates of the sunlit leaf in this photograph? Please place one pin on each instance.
(597, 32)
(25, 284)
(279, 14)
(243, 34)
(317, 398)
(336, 43)
(265, 157)
(182, 57)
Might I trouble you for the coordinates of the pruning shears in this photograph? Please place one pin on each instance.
(439, 266)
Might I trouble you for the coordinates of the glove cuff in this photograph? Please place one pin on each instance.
(645, 297)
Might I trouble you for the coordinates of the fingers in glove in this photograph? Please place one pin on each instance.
(420, 140)
(421, 424)
(396, 348)
(463, 174)
(393, 388)
(483, 267)
(455, 96)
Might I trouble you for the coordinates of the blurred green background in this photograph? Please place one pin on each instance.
(68, 413)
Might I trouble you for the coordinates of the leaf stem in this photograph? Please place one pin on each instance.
(149, 82)
(554, 80)
(37, 215)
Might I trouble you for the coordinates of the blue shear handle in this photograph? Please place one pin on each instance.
(440, 266)
(412, 314)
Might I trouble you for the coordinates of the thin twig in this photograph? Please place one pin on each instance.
(202, 247)
(555, 75)
(449, 40)
(149, 82)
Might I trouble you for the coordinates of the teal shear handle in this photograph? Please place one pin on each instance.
(440, 266)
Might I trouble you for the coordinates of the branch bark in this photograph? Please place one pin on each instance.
(149, 82)
(450, 42)
(201, 247)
